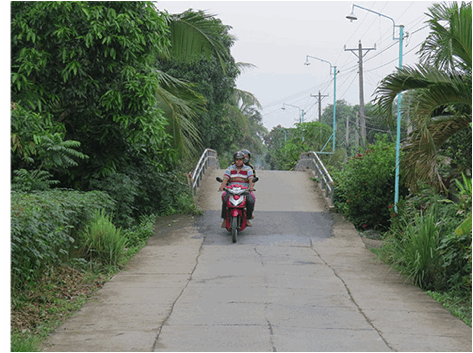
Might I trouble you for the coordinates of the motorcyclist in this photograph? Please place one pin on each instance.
(247, 154)
(238, 173)
(247, 161)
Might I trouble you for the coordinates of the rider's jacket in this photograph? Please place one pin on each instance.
(251, 166)
(238, 177)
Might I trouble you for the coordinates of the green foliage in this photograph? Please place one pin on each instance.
(138, 234)
(89, 67)
(45, 227)
(286, 145)
(103, 242)
(20, 343)
(25, 180)
(416, 254)
(364, 189)
(464, 194)
(37, 143)
(457, 303)
(215, 84)
(456, 251)
(458, 148)
(123, 189)
(451, 220)
(456, 245)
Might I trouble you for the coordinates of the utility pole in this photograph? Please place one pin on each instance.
(357, 124)
(347, 135)
(320, 103)
(360, 56)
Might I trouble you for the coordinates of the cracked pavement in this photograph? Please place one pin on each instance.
(300, 279)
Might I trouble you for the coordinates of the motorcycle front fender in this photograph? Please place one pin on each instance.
(235, 212)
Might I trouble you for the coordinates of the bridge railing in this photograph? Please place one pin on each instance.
(310, 160)
(207, 159)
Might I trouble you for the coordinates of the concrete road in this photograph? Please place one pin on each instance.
(300, 279)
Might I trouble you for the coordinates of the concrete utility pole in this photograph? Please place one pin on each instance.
(320, 102)
(362, 99)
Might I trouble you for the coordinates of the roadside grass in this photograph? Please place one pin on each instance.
(47, 303)
(36, 312)
(457, 303)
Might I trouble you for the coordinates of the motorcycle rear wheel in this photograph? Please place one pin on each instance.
(234, 224)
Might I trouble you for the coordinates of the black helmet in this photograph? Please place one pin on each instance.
(246, 152)
(238, 155)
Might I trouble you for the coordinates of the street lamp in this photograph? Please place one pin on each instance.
(334, 96)
(352, 17)
(301, 112)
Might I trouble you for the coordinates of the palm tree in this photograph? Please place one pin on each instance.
(246, 117)
(441, 86)
(193, 35)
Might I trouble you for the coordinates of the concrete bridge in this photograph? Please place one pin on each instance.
(300, 279)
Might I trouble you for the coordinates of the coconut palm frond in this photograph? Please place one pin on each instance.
(449, 42)
(244, 99)
(244, 66)
(194, 34)
(420, 150)
(181, 104)
(440, 94)
(434, 88)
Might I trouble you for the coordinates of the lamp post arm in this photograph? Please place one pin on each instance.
(313, 57)
(295, 106)
(379, 14)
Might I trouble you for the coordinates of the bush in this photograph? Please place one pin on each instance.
(137, 235)
(143, 191)
(364, 189)
(454, 245)
(45, 226)
(123, 190)
(416, 253)
(103, 242)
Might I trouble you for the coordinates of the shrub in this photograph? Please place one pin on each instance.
(453, 224)
(364, 189)
(103, 241)
(137, 235)
(123, 189)
(45, 226)
(456, 252)
(416, 253)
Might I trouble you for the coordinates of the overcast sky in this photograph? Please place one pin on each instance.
(276, 37)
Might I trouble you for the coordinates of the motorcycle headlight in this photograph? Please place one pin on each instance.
(236, 201)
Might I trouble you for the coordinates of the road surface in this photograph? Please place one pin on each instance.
(300, 279)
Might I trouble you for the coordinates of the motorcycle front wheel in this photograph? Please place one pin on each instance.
(234, 224)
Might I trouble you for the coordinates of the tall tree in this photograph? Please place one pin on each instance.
(441, 87)
(89, 66)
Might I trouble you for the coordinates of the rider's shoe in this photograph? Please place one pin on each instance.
(224, 224)
(248, 223)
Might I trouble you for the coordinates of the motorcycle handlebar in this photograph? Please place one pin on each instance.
(220, 180)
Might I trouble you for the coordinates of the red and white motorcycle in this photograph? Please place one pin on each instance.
(236, 208)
